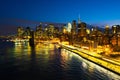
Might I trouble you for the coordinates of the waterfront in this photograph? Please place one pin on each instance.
(21, 62)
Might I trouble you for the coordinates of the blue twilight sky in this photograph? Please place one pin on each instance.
(62, 11)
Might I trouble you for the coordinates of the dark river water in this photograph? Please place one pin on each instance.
(47, 62)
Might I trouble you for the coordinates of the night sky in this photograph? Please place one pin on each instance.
(61, 11)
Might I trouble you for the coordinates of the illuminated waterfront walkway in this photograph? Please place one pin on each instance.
(109, 64)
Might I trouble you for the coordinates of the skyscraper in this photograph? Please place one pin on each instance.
(82, 29)
(114, 29)
(106, 37)
(39, 31)
(107, 30)
(20, 32)
(69, 27)
(74, 27)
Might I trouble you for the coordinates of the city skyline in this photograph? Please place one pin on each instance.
(31, 13)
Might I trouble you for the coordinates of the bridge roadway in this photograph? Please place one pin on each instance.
(109, 64)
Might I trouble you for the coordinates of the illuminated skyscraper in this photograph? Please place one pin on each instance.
(69, 27)
(64, 30)
(56, 32)
(107, 30)
(39, 28)
(20, 32)
(82, 29)
(50, 31)
(116, 35)
(39, 31)
(106, 37)
(114, 29)
(74, 27)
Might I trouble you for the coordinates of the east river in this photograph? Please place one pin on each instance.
(47, 62)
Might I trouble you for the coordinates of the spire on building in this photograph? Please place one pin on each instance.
(79, 19)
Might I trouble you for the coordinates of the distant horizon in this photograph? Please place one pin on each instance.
(20, 22)
(9, 26)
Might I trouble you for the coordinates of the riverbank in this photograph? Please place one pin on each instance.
(96, 58)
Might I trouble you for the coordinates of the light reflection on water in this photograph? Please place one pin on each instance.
(92, 68)
(48, 62)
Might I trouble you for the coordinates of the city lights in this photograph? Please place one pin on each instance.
(100, 47)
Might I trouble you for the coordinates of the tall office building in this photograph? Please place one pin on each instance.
(106, 37)
(116, 35)
(39, 28)
(107, 30)
(51, 31)
(74, 27)
(56, 32)
(69, 27)
(20, 31)
(82, 29)
(114, 29)
(39, 31)
(64, 29)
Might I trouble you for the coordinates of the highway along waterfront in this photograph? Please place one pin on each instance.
(47, 62)
(111, 65)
